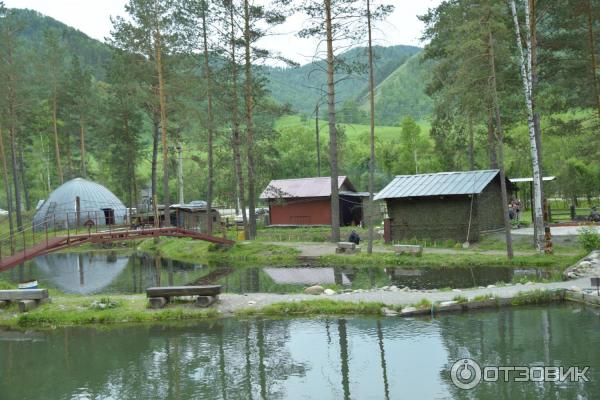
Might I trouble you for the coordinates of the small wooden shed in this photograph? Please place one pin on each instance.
(307, 201)
(194, 215)
(444, 206)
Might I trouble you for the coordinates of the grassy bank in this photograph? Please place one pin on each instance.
(84, 310)
(261, 254)
(315, 307)
(241, 254)
(452, 260)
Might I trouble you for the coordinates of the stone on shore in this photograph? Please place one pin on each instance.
(329, 292)
(315, 290)
(388, 312)
(448, 303)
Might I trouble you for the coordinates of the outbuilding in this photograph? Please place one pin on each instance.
(307, 201)
(194, 215)
(456, 206)
(80, 202)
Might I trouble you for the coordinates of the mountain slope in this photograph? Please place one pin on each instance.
(402, 93)
(302, 87)
(92, 52)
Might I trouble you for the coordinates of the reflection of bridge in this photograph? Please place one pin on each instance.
(51, 244)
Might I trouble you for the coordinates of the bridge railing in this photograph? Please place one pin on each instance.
(63, 224)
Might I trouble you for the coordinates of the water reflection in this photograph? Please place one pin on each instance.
(111, 272)
(362, 358)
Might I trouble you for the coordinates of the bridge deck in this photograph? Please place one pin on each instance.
(60, 242)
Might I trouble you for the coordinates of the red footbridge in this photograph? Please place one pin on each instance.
(48, 244)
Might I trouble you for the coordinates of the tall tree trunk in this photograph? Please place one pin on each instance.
(500, 138)
(471, 145)
(69, 155)
(8, 189)
(592, 43)
(163, 123)
(155, 139)
(210, 127)
(24, 180)
(333, 151)
(372, 134)
(56, 142)
(235, 122)
(83, 171)
(527, 89)
(318, 140)
(12, 133)
(249, 97)
(491, 142)
(531, 40)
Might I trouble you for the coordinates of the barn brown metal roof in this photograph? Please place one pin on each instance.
(303, 187)
(439, 184)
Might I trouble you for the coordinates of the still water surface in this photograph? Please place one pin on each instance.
(113, 272)
(333, 358)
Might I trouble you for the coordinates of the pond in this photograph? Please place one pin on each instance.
(114, 272)
(324, 358)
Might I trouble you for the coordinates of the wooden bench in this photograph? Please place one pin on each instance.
(27, 299)
(347, 248)
(160, 296)
(415, 250)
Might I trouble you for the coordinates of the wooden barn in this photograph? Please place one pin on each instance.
(307, 201)
(444, 206)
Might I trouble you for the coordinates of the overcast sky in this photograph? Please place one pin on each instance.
(93, 18)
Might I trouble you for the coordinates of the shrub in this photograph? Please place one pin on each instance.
(589, 238)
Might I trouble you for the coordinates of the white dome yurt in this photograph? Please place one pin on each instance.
(97, 206)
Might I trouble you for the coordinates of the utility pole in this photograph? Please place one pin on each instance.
(180, 173)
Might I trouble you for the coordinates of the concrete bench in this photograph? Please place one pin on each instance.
(415, 250)
(347, 248)
(160, 296)
(27, 299)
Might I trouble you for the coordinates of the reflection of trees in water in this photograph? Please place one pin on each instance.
(225, 359)
(526, 336)
(344, 357)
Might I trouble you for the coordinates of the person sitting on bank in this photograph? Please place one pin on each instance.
(354, 238)
(594, 215)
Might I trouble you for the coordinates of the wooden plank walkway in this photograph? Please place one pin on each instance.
(60, 242)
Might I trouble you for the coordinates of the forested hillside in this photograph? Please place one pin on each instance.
(117, 112)
(34, 25)
(302, 87)
(402, 93)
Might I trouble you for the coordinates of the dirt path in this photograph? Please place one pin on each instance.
(230, 303)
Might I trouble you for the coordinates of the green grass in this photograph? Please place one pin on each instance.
(452, 260)
(310, 234)
(538, 296)
(79, 310)
(484, 297)
(241, 254)
(315, 307)
(352, 130)
(460, 299)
